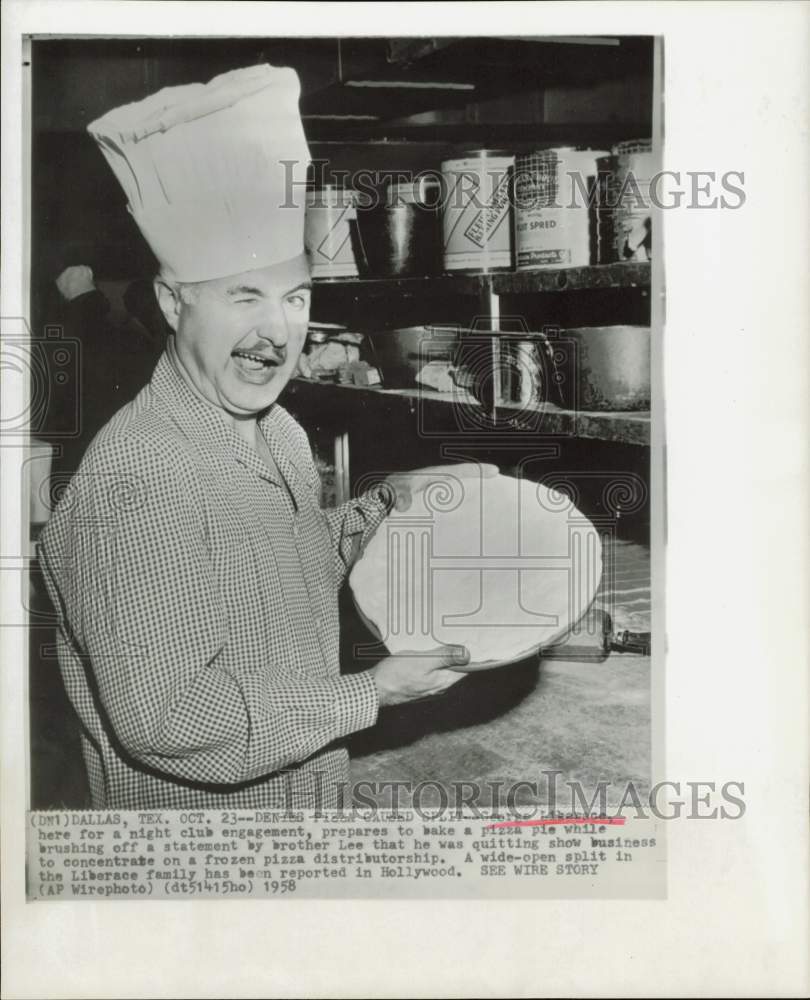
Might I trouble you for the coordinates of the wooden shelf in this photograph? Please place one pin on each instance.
(547, 420)
(518, 137)
(571, 279)
(377, 288)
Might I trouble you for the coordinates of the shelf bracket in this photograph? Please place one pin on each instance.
(343, 484)
(494, 315)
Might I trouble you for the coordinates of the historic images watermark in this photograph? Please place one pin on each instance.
(505, 801)
(664, 189)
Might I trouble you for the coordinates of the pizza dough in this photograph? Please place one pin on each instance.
(502, 566)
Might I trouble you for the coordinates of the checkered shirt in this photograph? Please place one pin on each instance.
(196, 594)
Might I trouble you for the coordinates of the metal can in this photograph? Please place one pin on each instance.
(476, 211)
(605, 368)
(327, 233)
(625, 207)
(553, 193)
(521, 370)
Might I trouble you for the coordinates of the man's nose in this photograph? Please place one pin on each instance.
(273, 325)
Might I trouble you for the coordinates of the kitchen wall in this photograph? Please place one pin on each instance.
(78, 212)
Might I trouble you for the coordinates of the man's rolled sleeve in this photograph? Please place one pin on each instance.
(356, 701)
(353, 523)
(293, 721)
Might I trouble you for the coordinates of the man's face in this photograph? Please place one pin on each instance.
(238, 339)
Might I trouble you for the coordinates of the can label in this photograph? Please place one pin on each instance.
(544, 258)
(625, 203)
(633, 213)
(327, 234)
(477, 211)
(554, 189)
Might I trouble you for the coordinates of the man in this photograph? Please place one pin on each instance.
(194, 574)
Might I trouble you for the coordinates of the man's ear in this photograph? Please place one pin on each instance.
(169, 300)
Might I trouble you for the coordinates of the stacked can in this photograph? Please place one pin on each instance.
(623, 208)
(476, 216)
(553, 190)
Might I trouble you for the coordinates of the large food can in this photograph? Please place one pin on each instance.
(476, 211)
(327, 233)
(605, 368)
(553, 192)
(624, 214)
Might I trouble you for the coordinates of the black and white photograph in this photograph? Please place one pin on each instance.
(347, 566)
(346, 480)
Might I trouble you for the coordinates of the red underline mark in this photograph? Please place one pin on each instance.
(601, 820)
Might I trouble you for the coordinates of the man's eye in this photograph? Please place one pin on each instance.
(297, 301)
(245, 302)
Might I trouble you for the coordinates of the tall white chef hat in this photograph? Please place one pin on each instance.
(214, 173)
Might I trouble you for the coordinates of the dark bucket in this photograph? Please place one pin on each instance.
(398, 241)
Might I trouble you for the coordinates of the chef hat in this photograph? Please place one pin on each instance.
(214, 173)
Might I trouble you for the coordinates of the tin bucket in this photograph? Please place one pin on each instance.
(522, 370)
(327, 232)
(505, 367)
(476, 216)
(605, 368)
(402, 353)
(553, 189)
(400, 240)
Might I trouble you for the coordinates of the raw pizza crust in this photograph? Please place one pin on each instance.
(502, 566)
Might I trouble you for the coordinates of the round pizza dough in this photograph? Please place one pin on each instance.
(502, 566)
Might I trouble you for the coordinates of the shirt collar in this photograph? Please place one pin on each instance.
(207, 426)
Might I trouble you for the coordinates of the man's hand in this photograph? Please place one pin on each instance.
(75, 281)
(413, 676)
(404, 485)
